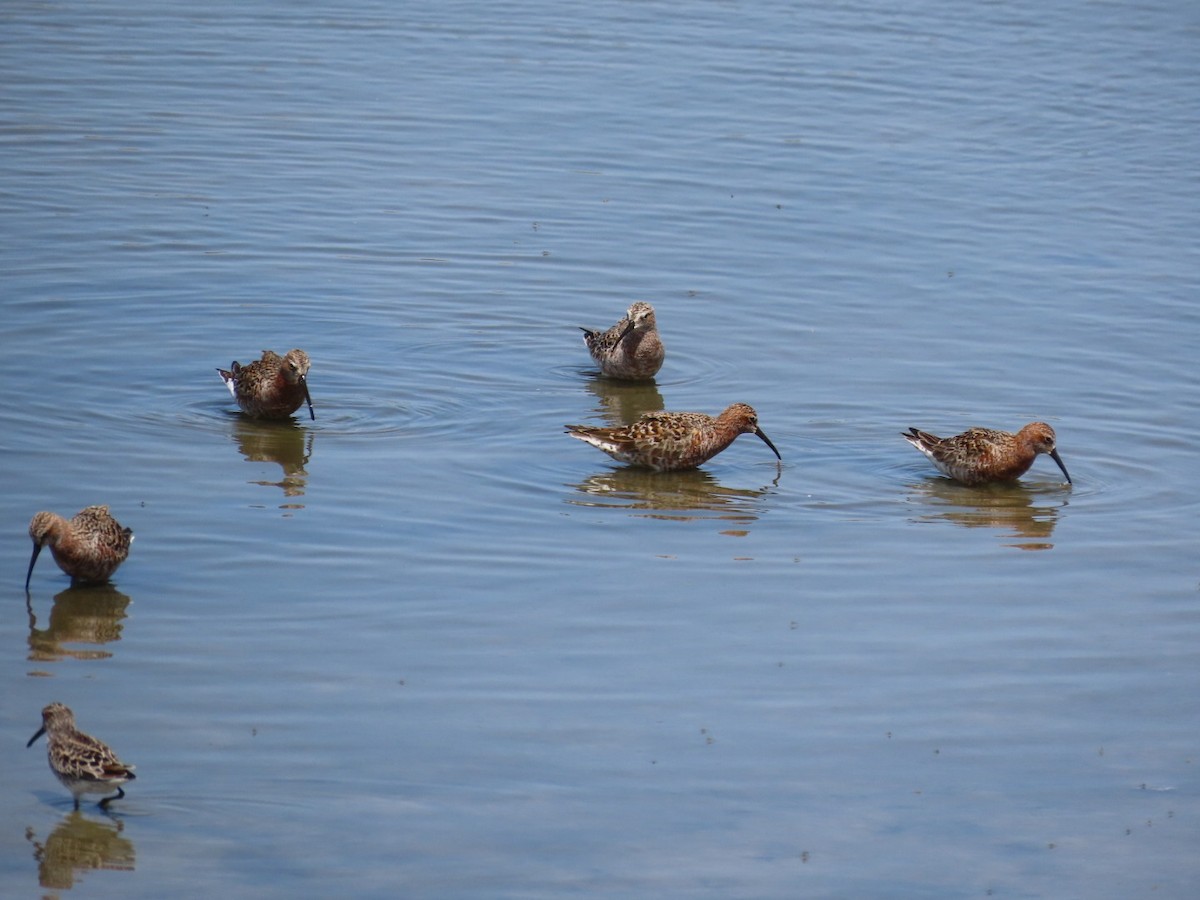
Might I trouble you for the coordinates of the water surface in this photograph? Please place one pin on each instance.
(427, 644)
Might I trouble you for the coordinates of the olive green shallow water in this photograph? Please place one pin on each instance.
(428, 645)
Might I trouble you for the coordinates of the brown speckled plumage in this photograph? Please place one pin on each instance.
(272, 387)
(83, 764)
(984, 455)
(671, 441)
(88, 546)
(631, 349)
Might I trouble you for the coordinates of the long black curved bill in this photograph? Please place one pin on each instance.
(767, 441)
(1054, 456)
(308, 399)
(37, 548)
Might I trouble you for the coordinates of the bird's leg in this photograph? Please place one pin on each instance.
(103, 804)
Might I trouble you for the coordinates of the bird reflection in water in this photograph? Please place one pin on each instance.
(1020, 510)
(80, 844)
(86, 614)
(623, 403)
(283, 442)
(680, 496)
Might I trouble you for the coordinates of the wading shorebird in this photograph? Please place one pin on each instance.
(88, 547)
(83, 764)
(671, 441)
(272, 387)
(984, 455)
(631, 349)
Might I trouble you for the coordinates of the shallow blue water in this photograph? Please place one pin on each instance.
(426, 644)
